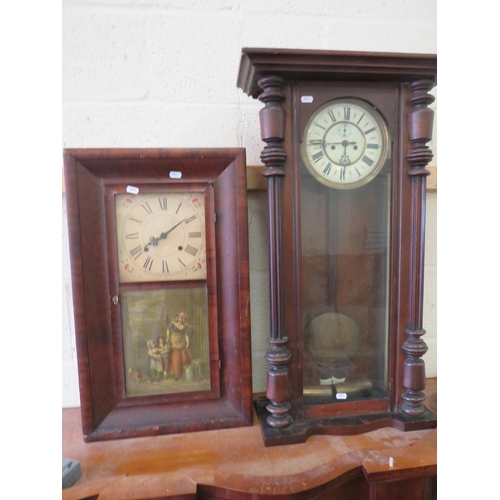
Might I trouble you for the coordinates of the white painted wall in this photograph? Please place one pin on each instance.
(162, 73)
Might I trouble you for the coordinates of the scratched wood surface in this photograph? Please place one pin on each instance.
(235, 461)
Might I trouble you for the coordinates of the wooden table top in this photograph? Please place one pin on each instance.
(236, 460)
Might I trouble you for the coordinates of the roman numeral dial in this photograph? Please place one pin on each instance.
(345, 143)
(161, 237)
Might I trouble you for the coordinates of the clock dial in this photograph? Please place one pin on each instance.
(345, 143)
(161, 237)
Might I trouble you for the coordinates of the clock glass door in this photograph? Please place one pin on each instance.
(168, 341)
(344, 260)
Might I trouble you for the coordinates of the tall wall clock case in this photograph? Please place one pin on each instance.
(159, 260)
(346, 149)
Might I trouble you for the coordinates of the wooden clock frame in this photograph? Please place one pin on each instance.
(274, 77)
(93, 177)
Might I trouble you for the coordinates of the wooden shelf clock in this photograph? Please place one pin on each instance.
(346, 152)
(159, 261)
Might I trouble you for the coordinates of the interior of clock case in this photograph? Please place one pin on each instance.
(345, 250)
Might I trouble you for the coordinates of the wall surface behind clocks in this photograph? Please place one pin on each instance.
(162, 73)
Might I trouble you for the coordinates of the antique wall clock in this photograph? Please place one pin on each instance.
(345, 152)
(159, 259)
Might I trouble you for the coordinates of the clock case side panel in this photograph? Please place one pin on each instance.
(291, 259)
(85, 205)
(225, 168)
(233, 283)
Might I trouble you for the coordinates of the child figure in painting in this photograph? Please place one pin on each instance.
(164, 351)
(179, 343)
(155, 364)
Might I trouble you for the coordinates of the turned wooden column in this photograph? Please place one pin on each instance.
(272, 126)
(420, 122)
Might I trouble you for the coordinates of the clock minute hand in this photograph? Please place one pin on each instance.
(164, 235)
(154, 241)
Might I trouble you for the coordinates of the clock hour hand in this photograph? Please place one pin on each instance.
(154, 241)
(343, 143)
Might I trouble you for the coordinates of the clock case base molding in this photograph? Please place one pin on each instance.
(299, 430)
(107, 411)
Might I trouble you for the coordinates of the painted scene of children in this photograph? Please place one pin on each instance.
(166, 355)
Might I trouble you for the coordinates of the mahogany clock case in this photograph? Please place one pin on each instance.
(161, 271)
(293, 85)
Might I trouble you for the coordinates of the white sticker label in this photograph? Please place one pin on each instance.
(175, 175)
(341, 395)
(132, 189)
(307, 99)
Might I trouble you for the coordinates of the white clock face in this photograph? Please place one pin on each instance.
(345, 143)
(161, 237)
